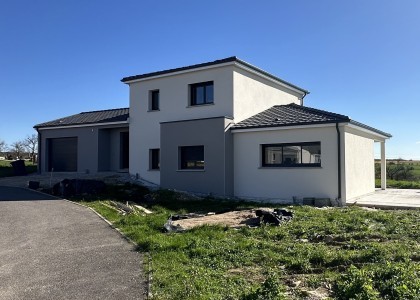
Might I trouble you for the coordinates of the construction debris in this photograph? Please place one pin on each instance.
(234, 219)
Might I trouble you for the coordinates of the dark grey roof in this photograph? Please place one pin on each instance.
(90, 117)
(212, 63)
(296, 115)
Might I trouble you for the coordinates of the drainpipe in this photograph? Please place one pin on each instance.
(301, 100)
(339, 160)
(39, 150)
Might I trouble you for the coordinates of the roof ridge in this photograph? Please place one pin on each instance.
(311, 109)
(95, 111)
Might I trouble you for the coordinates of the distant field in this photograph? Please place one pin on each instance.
(6, 169)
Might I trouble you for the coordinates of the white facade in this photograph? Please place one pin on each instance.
(238, 94)
(251, 180)
(242, 91)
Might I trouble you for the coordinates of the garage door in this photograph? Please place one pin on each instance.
(62, 154)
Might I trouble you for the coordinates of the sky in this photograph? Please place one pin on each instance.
(358, 58)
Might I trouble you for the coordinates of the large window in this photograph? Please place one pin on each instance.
(191, 157)
(291, 155)
(201, 93)
(154, 159)
(154, 100)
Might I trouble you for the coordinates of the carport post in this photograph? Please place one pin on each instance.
(383, 166)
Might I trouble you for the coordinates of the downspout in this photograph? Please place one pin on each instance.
(39, 151)
(338, 160)
(304, 95)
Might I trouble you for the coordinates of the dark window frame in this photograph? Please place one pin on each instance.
(264, 164)
(154, 159)
(154, 104)
(183, 163)
(193, 93)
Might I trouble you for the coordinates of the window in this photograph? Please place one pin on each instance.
(154, 159)
(292, 155)
(191, 157)
(201, 93)
(154, 100)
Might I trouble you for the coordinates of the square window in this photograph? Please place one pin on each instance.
(154, 159)
(154, 100)
(202, 93)
(191, 157)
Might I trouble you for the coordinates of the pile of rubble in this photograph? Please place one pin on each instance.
(234, 219)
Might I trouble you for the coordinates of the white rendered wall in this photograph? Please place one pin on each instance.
(252, 181)
(254, 94)
(173, 103)
(359, 164)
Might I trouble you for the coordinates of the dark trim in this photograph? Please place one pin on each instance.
(213, 63)
(388, 135)
(191, 120)
(282, 145)
(282, 125)
(339, 159)
(39, 160)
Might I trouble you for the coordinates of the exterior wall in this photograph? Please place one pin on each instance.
(216, 177)
(359, 166)
(254, 94)
(253, 181)
(173, 104)
(95, 147)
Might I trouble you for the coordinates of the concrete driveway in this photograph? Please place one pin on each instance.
(390, 198)
(54, 249)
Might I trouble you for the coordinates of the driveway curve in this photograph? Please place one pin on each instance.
(54, 249)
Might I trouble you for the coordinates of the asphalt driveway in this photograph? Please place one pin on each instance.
(54, 249)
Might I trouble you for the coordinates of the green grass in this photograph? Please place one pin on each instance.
(399, 184)
(366, 250)
(6, 169)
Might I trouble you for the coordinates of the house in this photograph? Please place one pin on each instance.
(225, 128)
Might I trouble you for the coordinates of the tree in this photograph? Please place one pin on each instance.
(17, 148)
(3, 146)
(31, 144)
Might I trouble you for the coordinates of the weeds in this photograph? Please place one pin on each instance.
(345, 248)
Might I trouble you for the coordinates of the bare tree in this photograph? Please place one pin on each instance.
(17, 148)
(3, 146)
(31, 144)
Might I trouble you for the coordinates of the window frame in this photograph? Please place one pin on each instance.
(193, 96)
(264, 164)
(152, 159)
(152, 102)
(182, 166)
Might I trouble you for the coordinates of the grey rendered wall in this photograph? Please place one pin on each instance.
(213, 134)
(98, 147)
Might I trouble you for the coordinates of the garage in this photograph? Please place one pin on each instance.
(62, 154)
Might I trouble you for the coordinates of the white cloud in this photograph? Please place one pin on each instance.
(418, 142)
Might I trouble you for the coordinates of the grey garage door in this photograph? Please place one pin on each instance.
(62, 154)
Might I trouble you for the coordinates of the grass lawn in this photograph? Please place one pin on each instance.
(6, 169)
(399, 184)
(340, 252)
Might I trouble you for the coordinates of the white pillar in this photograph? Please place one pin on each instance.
(383, 166)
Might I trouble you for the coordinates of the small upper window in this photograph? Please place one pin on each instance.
(202, 93)
(292, 155)
(154, 100)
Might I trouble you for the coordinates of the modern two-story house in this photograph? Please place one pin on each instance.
(225, 128)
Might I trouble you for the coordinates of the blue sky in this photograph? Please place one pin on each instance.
(359, 58)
